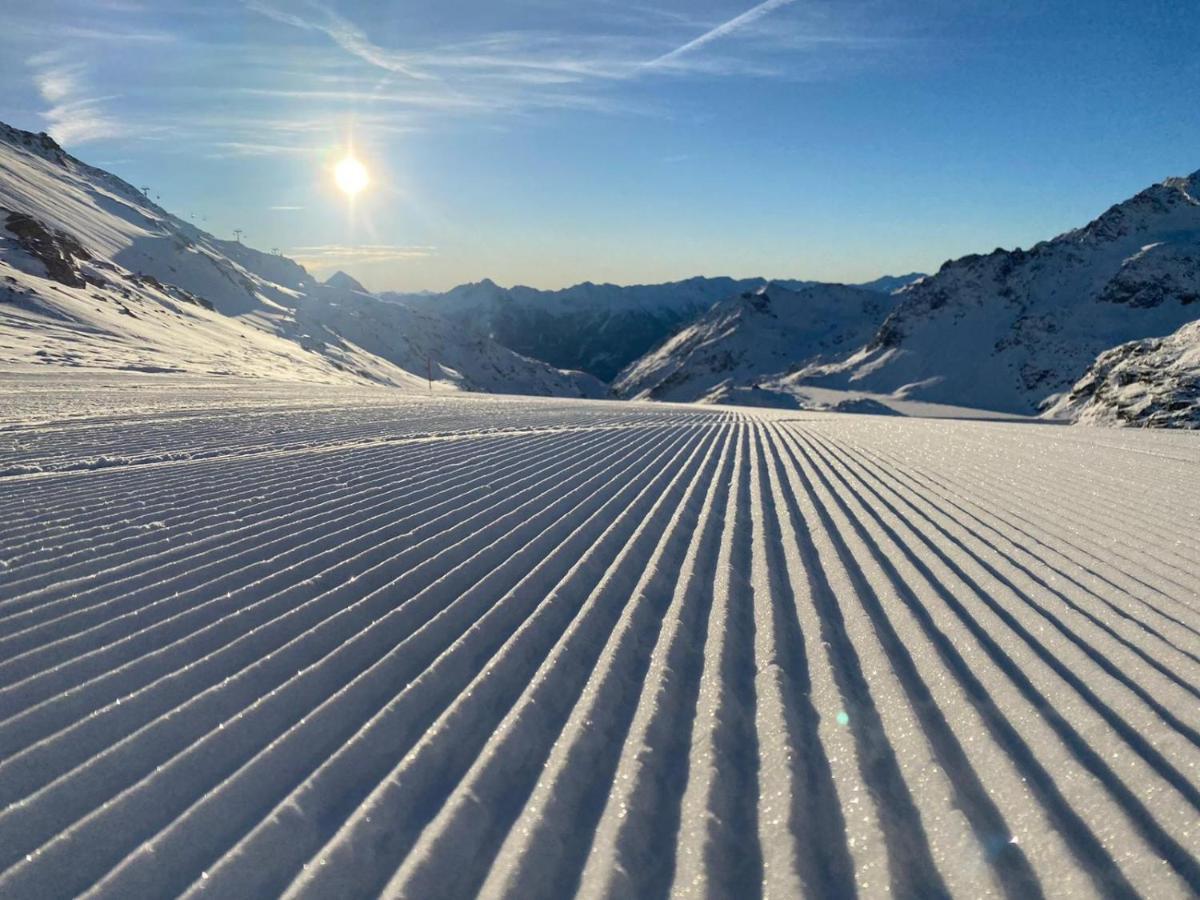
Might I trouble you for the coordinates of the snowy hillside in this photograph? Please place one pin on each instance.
(1014, 330)
(94, 275)
(752, 336)
(1154, 382)
(261, 639)
(599, 328)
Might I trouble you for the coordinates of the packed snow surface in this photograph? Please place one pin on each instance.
(259, 638)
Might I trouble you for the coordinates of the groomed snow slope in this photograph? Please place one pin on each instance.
(336, 642)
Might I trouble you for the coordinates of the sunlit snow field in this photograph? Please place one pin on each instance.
(260, 638)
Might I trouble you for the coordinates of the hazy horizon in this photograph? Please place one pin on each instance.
(548, 145)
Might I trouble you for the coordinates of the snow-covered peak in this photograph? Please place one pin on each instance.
(38, 143)
(340, 279)
(757, 334)
(1013, 330)
(889, 284)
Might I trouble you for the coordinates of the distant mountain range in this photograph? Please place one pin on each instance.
(1010, 331)
(598, 328)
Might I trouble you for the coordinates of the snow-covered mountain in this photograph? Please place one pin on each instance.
(340, 279)
(1154, 382)
(889, 284)
(755, 334)
(1013, 330)
(95, 275)
(599, 328)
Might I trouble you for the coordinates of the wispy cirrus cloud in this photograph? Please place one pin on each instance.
(542, 57)
(73, 117)
(603, 59)
(334, 256)
(342, 32)
(227, 149)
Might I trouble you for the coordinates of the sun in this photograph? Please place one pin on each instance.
(351, 176)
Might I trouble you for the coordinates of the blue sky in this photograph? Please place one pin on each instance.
(548, 142)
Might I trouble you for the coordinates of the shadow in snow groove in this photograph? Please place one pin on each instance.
(912, 871)
(1099, 658)
(906, 481)
(1097, 861)
(815, 818)
(1136, 741)
(481, 736)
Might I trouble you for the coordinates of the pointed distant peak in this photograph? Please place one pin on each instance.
(340, 279)
(484, 286)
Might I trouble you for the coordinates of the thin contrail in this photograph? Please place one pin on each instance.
(751, 15)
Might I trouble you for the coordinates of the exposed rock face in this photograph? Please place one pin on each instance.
(1157, 275)
(40, 143)
(54, 248)
(1154, 382)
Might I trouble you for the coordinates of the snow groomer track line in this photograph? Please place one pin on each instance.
(261, 640)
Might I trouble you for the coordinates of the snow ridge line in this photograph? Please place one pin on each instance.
(246, 631)
(264, 770)
(283, 512)
(981, 551)
(254, 486)
(281, 544)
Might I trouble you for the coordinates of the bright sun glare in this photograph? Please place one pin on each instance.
(350, 175)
